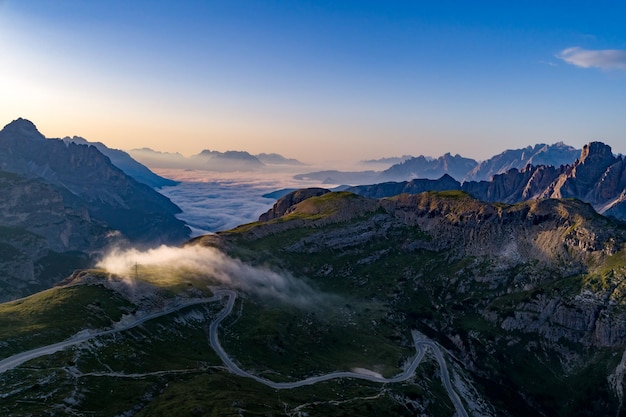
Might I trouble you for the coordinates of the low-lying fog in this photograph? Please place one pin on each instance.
(218, 268)
(213, 201)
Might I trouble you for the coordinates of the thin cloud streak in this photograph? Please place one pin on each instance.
(606, 59)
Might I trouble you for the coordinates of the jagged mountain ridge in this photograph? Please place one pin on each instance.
(541, 154)
(597, 177)
(458, 167)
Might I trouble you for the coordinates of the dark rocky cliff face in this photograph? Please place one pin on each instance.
(87, 180)
(597, 178)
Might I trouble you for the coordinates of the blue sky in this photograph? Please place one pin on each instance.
(317, 80)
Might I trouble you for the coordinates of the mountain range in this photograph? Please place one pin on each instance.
(596, 177)
(458, 167)
(431, 297)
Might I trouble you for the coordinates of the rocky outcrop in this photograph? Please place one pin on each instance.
(285, 203)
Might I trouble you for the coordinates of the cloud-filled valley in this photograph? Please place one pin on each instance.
(212, 202)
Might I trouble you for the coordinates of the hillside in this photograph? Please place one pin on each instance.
(529, 297)
(522, 307)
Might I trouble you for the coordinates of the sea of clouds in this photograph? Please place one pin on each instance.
(213, 201)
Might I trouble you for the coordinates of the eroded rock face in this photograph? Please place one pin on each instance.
(597, 177)
(541, 239)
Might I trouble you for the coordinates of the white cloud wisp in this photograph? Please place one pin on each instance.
(218, 268)
(606, 59)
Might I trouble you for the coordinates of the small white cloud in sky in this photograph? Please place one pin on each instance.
(606, 59)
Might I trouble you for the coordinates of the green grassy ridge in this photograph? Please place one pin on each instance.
(54, 315)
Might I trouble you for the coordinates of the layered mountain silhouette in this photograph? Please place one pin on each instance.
(596, 177)
(229, 161)
(420, 167)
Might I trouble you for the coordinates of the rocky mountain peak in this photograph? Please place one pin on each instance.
(596, 152)
(22, 128)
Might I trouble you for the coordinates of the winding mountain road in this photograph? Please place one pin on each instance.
(420, 342)
(82, 336)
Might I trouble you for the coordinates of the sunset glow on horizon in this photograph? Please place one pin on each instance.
(316, 81)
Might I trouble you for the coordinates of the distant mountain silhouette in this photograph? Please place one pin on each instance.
(555, 155)
(229, 161)
(420, 167)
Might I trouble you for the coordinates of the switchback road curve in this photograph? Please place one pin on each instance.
(420, 342)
